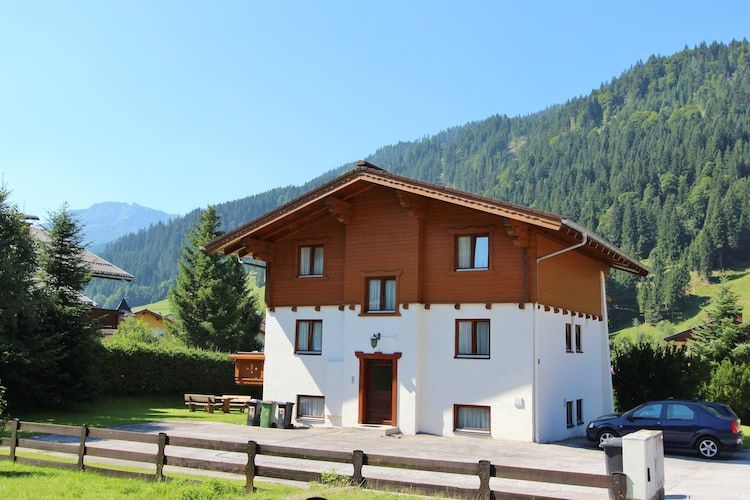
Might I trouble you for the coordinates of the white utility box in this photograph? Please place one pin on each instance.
(643, 464)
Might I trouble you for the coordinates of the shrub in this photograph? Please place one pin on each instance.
(730, 384)
(142, 369)
(134, 331)
(646, 370)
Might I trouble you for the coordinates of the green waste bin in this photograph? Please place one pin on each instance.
(267, 413)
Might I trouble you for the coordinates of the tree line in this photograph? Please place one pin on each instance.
(657, 161)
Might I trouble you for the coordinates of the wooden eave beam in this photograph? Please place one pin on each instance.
(339, 208)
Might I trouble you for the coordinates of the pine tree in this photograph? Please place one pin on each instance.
(721, 337)
(66, 320)
(212, 304)
(21, 345)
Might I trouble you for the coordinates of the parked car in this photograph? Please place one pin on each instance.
(709, 428)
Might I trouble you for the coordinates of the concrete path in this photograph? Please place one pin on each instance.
(687, 476)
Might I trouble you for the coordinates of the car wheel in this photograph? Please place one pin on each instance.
(604, 435)
(707, 447)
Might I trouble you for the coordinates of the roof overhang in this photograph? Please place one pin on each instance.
(256, 236)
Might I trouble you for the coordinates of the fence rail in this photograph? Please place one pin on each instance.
(483, 469)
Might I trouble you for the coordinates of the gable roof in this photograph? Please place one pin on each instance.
(351, 183)
(98, 267)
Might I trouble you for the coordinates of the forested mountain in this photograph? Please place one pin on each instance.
(109, 220)
(656, 160)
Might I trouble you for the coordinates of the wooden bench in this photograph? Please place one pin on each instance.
(207, 401)
(235, 401)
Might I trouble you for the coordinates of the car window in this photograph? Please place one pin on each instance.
(648, 411)
(679, 412)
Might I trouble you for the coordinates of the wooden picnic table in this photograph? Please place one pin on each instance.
(227, 399)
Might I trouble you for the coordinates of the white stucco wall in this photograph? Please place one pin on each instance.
(564, 376)
(431, 380)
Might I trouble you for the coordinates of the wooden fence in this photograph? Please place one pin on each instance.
(615, 483)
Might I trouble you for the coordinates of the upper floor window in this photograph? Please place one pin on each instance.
(579, 346)
(309, 336)
(473, 251)
(473, 338)
(568, 337)
(381, 295)
(311, 260)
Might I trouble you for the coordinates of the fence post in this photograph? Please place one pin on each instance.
(161, 443)
(619, 487)
(252, 450)
(82, 446)
(13, 438)
(358, 459)
(484, 479)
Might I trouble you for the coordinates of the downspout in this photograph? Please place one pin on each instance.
(535, 392)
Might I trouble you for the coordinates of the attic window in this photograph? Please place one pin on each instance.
(311, 260)
(472, 252)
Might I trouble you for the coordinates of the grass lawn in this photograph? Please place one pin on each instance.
(123, 411)
(738, 278)
(20, 481)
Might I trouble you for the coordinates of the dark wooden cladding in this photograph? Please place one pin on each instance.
(424, 464)
(305, 454)
(64, 430)
(382, 237)
(37, 444)
(133, 456)
(213, 465)
(123, 435)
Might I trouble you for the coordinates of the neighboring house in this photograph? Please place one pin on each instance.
(681, 338)
(153, 320)
(397, 302)
(105, 320)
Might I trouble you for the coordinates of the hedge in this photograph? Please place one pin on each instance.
(141, 369)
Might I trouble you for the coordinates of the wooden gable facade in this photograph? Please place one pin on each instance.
(371, 223)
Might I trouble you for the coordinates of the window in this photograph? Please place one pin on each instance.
(311, 260)
(648, 411)
(471, 418)
(579, 346)
(473, 338)
(310, 407)
(568, 338)
(569, 413)
(473, 252)
(579, 411)
(309, 336)
(680, 412)
(381, 295)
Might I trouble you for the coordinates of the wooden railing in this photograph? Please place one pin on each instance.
(483, 469)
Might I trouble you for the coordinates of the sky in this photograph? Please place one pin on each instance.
(179, 104)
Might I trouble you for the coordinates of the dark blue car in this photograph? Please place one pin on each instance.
(709, 428)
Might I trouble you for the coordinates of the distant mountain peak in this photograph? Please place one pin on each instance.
(108, 220)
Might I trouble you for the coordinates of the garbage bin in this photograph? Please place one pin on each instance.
(613, 454)
(253, 412)
(267, 412)
(284, 416)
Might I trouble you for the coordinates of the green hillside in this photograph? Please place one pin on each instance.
(700, 293)
(161, 307)
(656, 160)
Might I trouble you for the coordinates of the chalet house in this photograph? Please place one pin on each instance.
(397, 302)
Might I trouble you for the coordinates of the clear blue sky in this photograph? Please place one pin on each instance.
(175, 105)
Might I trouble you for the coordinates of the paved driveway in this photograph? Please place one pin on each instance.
(686, 475)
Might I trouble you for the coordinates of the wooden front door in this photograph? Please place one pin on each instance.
(379, 391)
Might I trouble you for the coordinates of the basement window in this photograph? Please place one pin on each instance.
(310, 407)
(579, 411)
(569, 414)
(471, 418)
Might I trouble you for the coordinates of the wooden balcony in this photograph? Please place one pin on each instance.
(248, 368)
